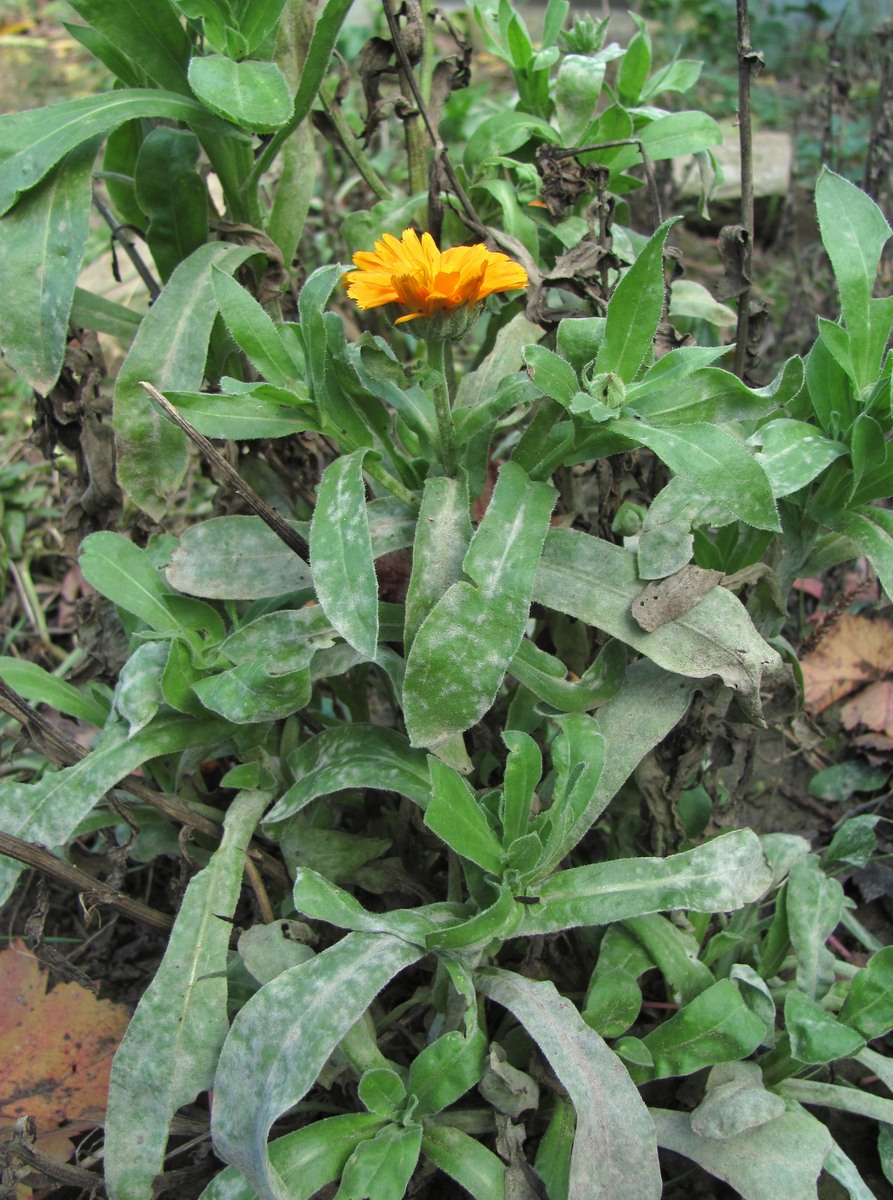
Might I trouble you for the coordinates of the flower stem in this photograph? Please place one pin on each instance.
(442, 407)
(388, 481)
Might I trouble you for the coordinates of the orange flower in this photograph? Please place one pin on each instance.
(429, 282)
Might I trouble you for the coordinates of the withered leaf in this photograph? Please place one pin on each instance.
(56, 1047)
(668, 599)
(857, 650)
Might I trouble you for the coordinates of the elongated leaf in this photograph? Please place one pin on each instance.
(318, 898)
(454, 814)
(546, 677)
(793, 453)
(105, 316)
(872, 529)
(253, 329)
(681, 389)
(147, 31)
(42, 244)
(869, 1003)
(356, 755)
(611, 1116)
(236, 558)
(169, 351)
(32, 142)
(341, 554)
(465, 1160)
(251, 94)
(596, 582)
(715, 1027)
(241, 417)
(306, 1159)
(50, 810)
(854, 232)
(441, 543)
(642, 713)
(813, 904)
(816, 1036)
(170, 1050)
(465, 644)
(634, 312)
(577, 89)
(283, 1036)
(716, 462)
(719, 876)
(173, 196)
(758, 1164)
(40, 687)
(477, 387)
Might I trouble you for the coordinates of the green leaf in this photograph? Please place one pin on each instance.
(634, 311)
(149, 32)
(32, 142)
(455, 815)
(242, 417)
(251, 94)
(611, 1116)
(173, 196)
(169, 351)
(854, 843)
(735, 1101)
(553, 1156)
(235, 558)
(844, 780)
(813, 903)
(634, 68)
(680, 389)
(693, 300)
(465, 1160)
(577, 90)
(872, 529)
(255, 691)
(253, 330)
(546, 676)
(316, 897)
(717, 1026)
(446, 1069)
(578, 755)
(341, 553)
(382, 1091)
(268, 950)
(868, 1007)
(42, 243)
(674, 952)
(105, 316)
(793, 453)
(478, 386)
(124, 574)
(523, 769)
(723, 874)
(816, 1036)
(354, 756)
(170, 1050)
(758, 1164)
(442, 535)
(854, 232)
(281, 1039)
(501, 134)
(382, 1166)
(40, 687)
(679, 133)
(306, 1159)
(720, 466)
(596, 582)
(553, 375)
(472, 633)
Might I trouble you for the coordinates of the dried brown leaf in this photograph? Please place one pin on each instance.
(857, 650)
(872, 707)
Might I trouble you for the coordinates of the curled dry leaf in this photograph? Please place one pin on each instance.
(56, 1048)
(858, 650)
(872, 707)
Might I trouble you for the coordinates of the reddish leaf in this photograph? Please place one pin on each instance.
(56, 1047)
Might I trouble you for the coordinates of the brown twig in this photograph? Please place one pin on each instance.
(79, 881)
(294, 540)
(64, 1173)
(748, 64)
(123, 236)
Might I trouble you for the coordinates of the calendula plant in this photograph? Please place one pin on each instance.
(532, 569)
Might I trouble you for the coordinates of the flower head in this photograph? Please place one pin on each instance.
(430, 283)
